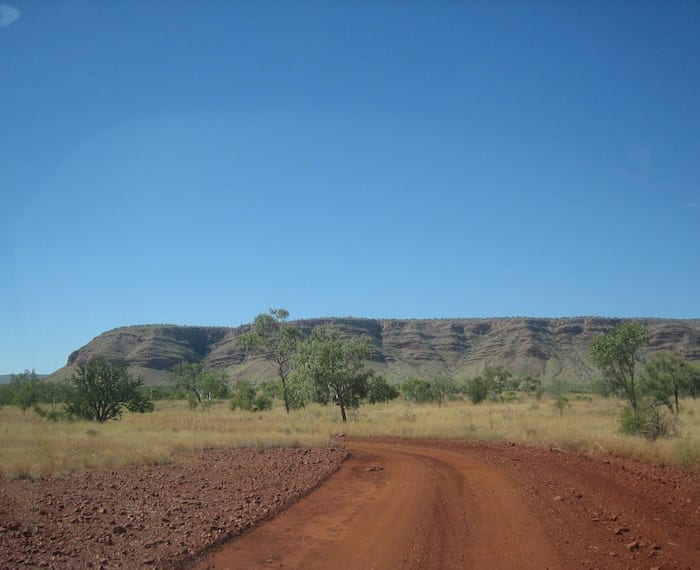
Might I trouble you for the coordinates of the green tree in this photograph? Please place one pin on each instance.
(668, 378)
(273, 336)
(5, 395)
(444, 388)
(26, 389)
(497, 378)
(528, 383)
(477, 389)
(246, 396)
(380, 391)
(616, 354)
(198, 385)
(334, 367)
(417, 390)
(100, 389)
(242, 395)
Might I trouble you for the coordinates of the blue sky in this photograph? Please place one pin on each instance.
(199, 162)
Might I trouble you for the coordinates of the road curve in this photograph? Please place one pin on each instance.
(407, 504)
(400, 506)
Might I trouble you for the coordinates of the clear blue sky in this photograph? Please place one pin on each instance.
(200, 162)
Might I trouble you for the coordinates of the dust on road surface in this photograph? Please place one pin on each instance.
(408, 504)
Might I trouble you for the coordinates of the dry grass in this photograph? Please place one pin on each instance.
(34, 447)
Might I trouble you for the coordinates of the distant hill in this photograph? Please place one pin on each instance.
(460, 347)
(5, 378)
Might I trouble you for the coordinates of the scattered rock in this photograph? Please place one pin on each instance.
(117, 516)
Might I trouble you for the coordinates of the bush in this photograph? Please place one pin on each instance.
(246, 397)
(648, 421)
(25, 389)
(380, 391)
(262, 402)
(561, 403)
(477, 389)
(417, 390)
(100, 389)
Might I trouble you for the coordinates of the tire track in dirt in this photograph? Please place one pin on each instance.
(400, 505)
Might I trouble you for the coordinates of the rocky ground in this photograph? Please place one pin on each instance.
(395, 503)
(153, 516)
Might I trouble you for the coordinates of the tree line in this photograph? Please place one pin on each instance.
(329, 369)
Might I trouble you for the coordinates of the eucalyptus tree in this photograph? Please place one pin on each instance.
(334, 367)
(617, 354)
(277, 339)
(668, 377)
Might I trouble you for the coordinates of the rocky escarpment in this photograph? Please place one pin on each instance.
(460, 347)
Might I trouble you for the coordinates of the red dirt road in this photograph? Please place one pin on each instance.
(435, 504)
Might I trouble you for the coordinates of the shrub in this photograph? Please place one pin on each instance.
(245, 396)
(477, 389)
(561, 403)
(242, 395)
(417, 390)
(25, 389)
(648, 421)
(380, 391)
(100, 389)
(262, 402)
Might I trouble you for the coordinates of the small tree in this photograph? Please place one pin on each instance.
(616, 354)
(417, 390)
(246, 396)
(334, 367)
(444, 388)
(497, 378)
(528, 383)
(379, 390)
(197, 384)
(477, 389)
(272, 335)
(100, 389)
(25, 388)
(669, 377)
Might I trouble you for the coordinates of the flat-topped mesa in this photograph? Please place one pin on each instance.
(403, 347)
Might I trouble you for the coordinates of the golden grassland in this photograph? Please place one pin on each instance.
(33, 446)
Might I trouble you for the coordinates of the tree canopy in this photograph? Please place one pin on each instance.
(334, 367)
(100, 389)
(668, 377)
(616, 354)
(25, 389)
(197, 384)
(273, 336)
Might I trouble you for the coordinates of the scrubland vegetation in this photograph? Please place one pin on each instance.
(97, 419)
(34, 446)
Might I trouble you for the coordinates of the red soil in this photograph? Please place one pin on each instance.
(392, 504)
(145, 517)
(436, 504)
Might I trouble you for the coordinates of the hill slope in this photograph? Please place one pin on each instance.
(460, 347)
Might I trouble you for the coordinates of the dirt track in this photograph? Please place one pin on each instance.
(418, 504)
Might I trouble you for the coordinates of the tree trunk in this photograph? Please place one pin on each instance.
(284, 394)
(342, 412)
(675, 393)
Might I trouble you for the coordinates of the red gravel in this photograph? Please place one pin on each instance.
(156, 517)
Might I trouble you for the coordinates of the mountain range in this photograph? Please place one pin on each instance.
(550, 347)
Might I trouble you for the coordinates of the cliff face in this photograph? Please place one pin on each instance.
(460, 347)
